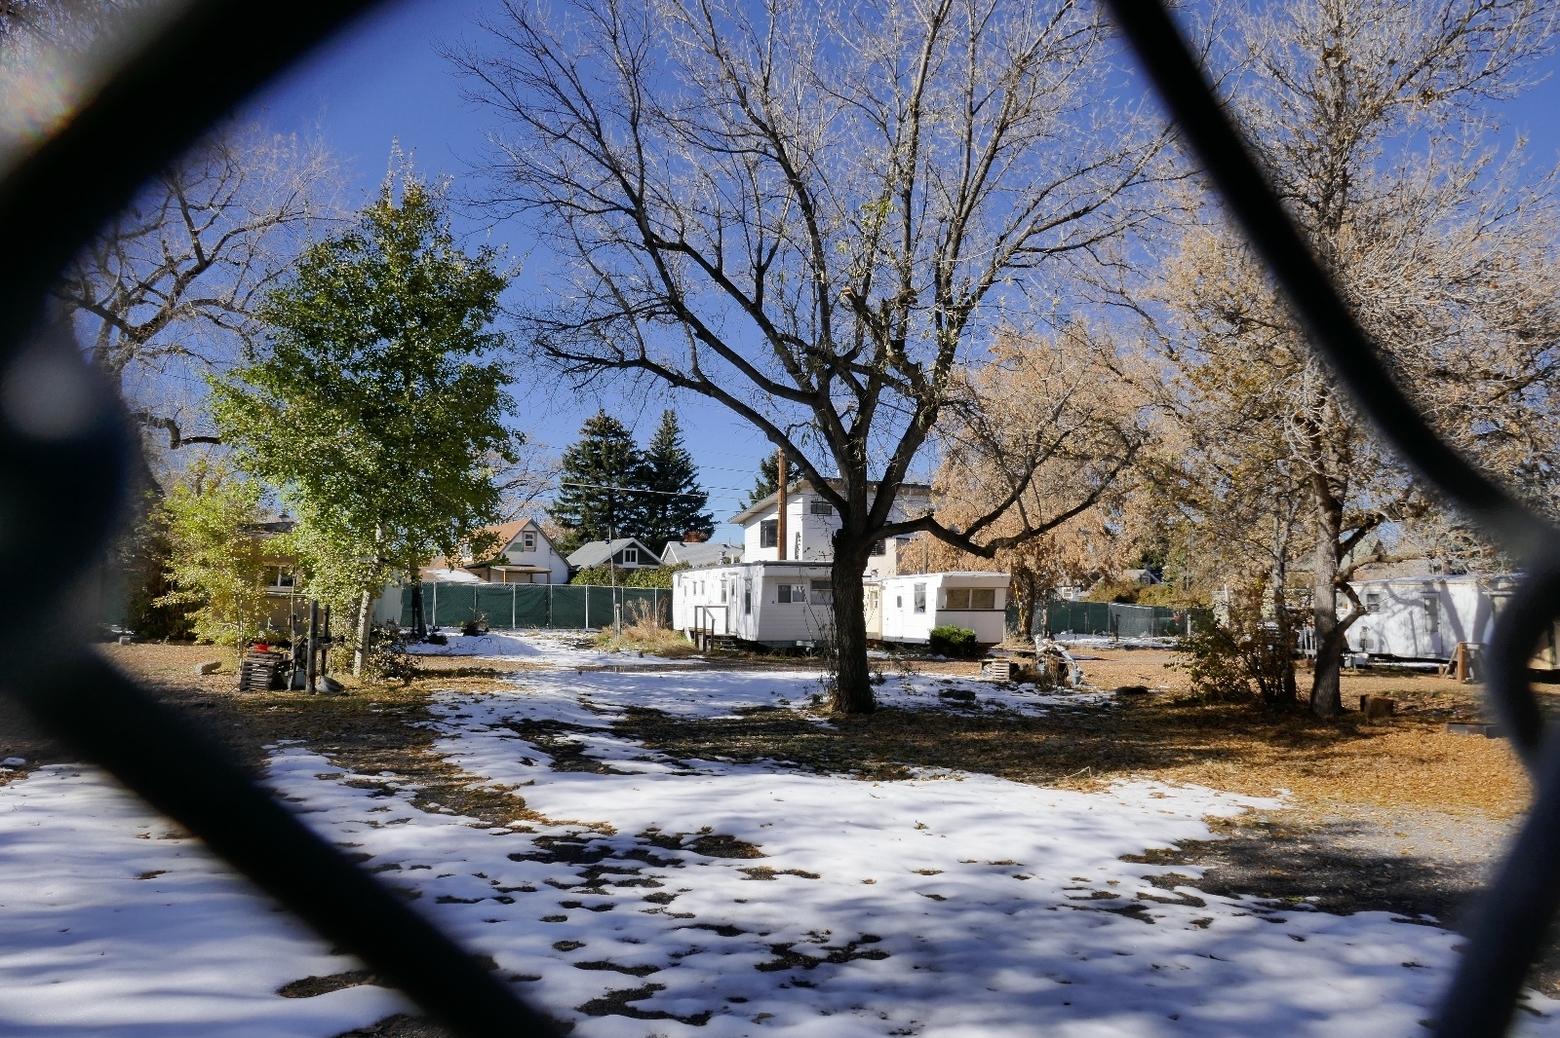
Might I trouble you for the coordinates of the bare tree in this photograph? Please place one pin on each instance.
(169, 290)
(809, 214)
(1372, 118)
(1073, 406)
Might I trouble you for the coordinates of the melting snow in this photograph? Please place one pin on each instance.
(948, 904)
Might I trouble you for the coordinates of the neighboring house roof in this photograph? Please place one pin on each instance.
(447, 575)
(700, 553)
(508, 533)
(1421, 568)
(597, 553)
(906, 490)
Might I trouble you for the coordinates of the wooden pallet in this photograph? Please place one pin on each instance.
(260, 671)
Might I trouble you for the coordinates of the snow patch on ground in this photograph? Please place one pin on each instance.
(700, 898)
(112, 924)
(556, 648)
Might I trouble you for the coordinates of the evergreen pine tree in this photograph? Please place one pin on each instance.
(768, 480)
(605, 456)
(677, 505)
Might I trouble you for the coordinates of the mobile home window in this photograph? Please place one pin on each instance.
(769, 533)
(793, 593)
(796, 552)
(823, 592)
(1373, 601)
(747, 597)
(723, 592)
(920, 598)
(956, 598)
(821, 507)
(983, 598)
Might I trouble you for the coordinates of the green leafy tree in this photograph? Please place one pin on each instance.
(648, 576)
(675, 504)
(600, 475)
(375, 411)
(216, 559)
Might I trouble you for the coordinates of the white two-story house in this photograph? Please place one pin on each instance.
(810, 524)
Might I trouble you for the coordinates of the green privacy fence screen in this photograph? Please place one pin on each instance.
(513, 606)
(1117, 620)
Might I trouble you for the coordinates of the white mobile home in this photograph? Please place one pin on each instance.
(1425, 617)
(911, 605)
(770, 603)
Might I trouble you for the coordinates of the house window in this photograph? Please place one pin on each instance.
(769, 533)
(528, 540)
(920, 597)
(279, 578)
(823, 592)
(878, 548)
(1373, 601)
(983, 598)
(956, 598)
(793, 593)
(821, 507)
(630, 557)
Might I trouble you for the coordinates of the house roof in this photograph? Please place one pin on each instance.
(697, 553)
(596, 553)
(507, 533)
(766, 503)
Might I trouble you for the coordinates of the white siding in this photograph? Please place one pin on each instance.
(901, 623)
(542, 555)
(1425, 617)
(752, 610)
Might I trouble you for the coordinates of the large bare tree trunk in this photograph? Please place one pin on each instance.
(1326, 693)
(852, 678)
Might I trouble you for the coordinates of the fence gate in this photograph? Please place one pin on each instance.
(64, 481)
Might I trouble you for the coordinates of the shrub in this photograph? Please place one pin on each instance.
(954, 642)
(648, 577)
(478, 624)
(644, 630)
(1243, 659)
(387, 658)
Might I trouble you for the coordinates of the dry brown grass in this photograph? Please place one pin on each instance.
(1407, 760)
(646, 634)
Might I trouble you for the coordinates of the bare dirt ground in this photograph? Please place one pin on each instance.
(1393, 815)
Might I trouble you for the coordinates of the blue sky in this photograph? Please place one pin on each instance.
(385, 81)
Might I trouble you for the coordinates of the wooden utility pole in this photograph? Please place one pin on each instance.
(780, 527)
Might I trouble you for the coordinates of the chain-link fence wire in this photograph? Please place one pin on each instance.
(63, 480)
(1516, 911)
(1118, 620)
(535, 606)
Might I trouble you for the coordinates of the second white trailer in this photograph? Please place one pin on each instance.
(911, 605)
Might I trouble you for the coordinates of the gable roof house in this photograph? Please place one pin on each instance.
(810, 524)
(523, 554)
(699, 553)
(624, 552)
